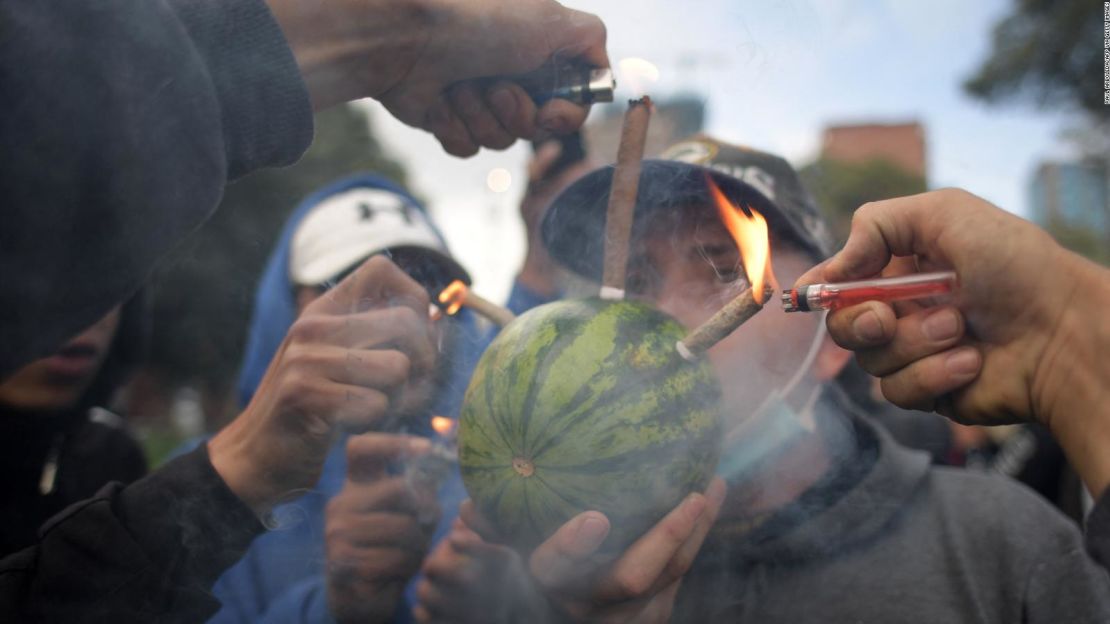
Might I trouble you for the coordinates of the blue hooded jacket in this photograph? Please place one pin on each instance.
(282, 577)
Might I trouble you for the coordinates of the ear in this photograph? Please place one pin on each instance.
(831, 359)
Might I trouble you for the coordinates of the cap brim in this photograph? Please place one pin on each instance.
(434, 271)
(574, 226)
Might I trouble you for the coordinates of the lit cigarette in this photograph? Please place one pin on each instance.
(457, 295)
(816, 297)
(622, 196)
(724, 322)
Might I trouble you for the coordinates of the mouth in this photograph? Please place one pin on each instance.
(73, 361)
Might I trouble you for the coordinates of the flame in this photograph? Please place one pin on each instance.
(453, 296)
(638, 74)
(442, 425)
(750, 234)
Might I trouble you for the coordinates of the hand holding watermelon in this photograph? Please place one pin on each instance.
(566, 577)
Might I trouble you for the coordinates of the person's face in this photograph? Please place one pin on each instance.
(57, 382)
(691, 271)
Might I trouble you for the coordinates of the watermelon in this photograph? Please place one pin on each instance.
(587, 405)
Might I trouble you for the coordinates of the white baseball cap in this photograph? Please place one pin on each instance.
(346, 228)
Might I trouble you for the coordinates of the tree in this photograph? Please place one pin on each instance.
(839, 188)
(1047, 52)
(202, 295)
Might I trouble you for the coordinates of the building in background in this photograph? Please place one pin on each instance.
(865, 162)
(900, 144)
(1072, 194)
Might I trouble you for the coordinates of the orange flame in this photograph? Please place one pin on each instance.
(750, 234)
(442, 425)
(453, 296)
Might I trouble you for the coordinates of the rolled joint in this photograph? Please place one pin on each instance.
(498, 315)
(623, 190)
(720, 325)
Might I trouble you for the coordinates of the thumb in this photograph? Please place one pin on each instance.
(560, 561)
(893, 227)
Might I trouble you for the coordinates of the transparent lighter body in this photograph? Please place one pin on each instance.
(816, 297)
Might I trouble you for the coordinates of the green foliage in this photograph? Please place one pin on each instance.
(1089, 243)
(1046, 52)
(203, 294)
(839, 188)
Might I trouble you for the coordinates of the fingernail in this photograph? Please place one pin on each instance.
(867, 327)
(694, 506)
(941, 325)
(591, 532)
(503, 102)
(963, 363)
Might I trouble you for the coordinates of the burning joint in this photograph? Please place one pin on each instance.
(457, 295)
(749, 229)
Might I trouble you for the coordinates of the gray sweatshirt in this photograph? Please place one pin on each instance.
(901, 541)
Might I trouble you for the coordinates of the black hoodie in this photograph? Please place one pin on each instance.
(52, 460)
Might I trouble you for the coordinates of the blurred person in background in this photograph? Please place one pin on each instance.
(825, 515)
(348, 548)
(59, 443)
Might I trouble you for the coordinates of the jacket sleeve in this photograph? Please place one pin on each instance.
(122, 121)
(146, 552)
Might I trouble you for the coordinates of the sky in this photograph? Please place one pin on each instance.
(773, 74)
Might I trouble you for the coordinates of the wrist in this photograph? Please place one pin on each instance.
(351, 50)
(1070, 385)
(230, 457)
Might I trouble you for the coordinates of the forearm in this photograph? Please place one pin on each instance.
(146, 552)
(351, 49)
(1072, 388)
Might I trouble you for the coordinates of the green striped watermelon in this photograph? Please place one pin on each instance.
(581, 405)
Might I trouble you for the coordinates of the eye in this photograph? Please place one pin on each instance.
(728, 272)
(729, 275)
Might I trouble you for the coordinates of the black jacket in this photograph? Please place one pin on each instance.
(51, 462)
(121, 123)
(148, 552)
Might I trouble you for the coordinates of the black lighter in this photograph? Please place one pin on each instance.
(574, 82)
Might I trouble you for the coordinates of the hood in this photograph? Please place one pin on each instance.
(274, 306)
